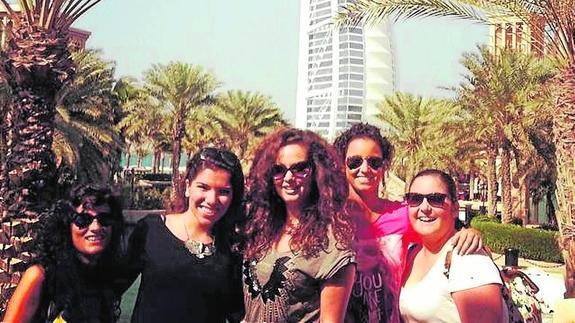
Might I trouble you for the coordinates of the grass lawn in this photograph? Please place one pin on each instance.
(128, 300)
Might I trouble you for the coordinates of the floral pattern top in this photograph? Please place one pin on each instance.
(285, 286)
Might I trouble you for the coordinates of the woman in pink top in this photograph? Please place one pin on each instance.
(383, 229)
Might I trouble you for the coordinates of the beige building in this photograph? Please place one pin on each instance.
(507, 31)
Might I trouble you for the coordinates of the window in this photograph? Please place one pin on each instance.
(322, 79)
(356, 46)
(318, 35)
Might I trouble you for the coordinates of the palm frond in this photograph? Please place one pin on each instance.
(374, 11)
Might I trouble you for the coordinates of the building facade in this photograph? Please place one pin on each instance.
(342, 73)
(510, 32)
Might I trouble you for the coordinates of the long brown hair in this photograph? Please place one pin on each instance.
(266, 212)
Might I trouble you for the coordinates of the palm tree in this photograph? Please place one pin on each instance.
(501, 90)
(179, 88)
(36, 64)
(85, 138)
(144, 123)
(246, 117)
(202, 130)
(129, 95)
(424, 131)
(558, 25)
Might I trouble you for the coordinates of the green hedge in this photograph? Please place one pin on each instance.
(532, 243)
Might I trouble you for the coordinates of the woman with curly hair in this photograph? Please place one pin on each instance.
(73, 277)
(298, 263)
(190, 272)
(383, 230)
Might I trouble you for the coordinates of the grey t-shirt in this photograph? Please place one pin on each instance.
(285, 287)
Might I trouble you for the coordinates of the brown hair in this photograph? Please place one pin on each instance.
(266, 213)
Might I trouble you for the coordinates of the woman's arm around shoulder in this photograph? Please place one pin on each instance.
(27, 296)
(479, 304)
(335, 294)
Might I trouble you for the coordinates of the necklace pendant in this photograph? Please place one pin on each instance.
(200, 250)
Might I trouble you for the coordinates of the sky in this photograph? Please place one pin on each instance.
(252, 45)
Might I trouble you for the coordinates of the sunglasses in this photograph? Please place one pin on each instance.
(84, 219)
(434, 199)
(219, 157)
(299, 170)
(373, 162)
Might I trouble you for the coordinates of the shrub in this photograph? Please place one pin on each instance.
(532, 243)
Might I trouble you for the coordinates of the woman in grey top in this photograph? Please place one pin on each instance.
(298, 263)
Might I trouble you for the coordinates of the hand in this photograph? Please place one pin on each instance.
(467, 241)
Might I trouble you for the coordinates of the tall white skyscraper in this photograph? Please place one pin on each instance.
(342, 73)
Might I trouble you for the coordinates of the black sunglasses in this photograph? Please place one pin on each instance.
(219, 157)
(373, 162)
(434, 199)
(84, 219)
(299, 170)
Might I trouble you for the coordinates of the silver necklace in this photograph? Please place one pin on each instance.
(199, 249)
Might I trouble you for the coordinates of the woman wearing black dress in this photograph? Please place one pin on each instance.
(73, 277)
(189, 271)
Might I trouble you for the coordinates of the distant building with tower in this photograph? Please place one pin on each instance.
(342, 73)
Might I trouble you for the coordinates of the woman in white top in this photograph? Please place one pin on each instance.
(470, 291)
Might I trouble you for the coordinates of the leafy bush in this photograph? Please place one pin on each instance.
(532, 243)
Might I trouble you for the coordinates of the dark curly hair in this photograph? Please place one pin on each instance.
(266, 212)
(66, 276)
(363, 130)
(216, 158)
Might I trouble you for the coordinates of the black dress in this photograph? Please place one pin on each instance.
(78, 293)
(176, 286)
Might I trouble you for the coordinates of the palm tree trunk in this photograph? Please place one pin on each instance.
(128, 157)
(524, 198)
(30, 125)
(156, 162)
(3, 151)
(506, 213)
(177, 136)
(564, 132)
(163, 161)
(491, 182)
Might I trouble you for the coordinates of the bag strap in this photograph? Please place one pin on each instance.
(447, 263)
(510, 273)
